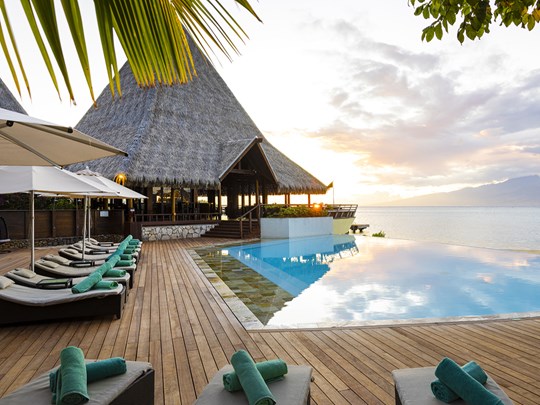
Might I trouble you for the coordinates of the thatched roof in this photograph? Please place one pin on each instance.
(7, 101)
(187, 135)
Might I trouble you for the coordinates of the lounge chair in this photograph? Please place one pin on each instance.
(413, 386)
(136, 386)
(53, 269)
(73, 254)
(105, 244)
(78, 264)
(4, 234)
(19, 304)
(38, 278)
(98, 249)
(293, 389)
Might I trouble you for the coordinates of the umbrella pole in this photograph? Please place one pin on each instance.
(32, 224)
(89, 218)
(84, 226)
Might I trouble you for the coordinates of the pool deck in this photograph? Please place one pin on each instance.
(176, 320)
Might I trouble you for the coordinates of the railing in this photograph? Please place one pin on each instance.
(257, 210)
(178, 217)
(342, 210)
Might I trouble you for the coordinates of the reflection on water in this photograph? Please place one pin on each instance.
(348, 278)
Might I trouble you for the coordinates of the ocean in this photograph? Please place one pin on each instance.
(488, 227)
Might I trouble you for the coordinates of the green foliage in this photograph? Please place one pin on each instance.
(22, 202)
(474, 16)
(380, 234)
(295, 212)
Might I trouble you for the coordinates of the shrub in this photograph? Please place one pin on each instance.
(295, 212)
(379, 234)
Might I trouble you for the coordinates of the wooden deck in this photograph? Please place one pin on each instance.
(176, 320)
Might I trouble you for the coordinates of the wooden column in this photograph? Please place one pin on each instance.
(173, 204)
(162, 200)
(219, 203)
(309, 200)
(149, 200)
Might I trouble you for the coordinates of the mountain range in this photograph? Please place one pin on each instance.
(516, 192)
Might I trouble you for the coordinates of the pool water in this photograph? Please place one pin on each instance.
(346, 279)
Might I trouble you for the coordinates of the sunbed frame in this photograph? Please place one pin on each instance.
(140, 392)
(44, 272)
(11, 312)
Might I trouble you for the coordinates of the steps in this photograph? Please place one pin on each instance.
(231, 230)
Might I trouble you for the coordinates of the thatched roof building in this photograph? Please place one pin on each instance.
(194, 135)
(7, 101)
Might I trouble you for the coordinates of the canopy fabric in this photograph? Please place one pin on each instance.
(44, 179)
(119, 190)
(29, 141)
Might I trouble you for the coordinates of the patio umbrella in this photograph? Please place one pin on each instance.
(100, 181)
(41, 180)
(28, 141)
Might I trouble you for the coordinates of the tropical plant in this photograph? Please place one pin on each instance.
(296, 212)
(474, 16)
(154, 35)
(380, 234)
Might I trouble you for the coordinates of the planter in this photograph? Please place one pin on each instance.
(284, 228)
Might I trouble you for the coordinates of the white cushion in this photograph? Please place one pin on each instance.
(50, 265)
(5, 282)
(57, 259)
(24, 273)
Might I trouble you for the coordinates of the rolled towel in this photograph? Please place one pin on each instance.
(445, 394)
(115, 273)
(104, 268)
(95, 371)
(466, 387)
(128, 238)
(71, 385)
(113, 260)
(271, 370)
(123, 263)
(105, 285)
(128, 251)
(135, 242)
(87, 283)
(253, 384)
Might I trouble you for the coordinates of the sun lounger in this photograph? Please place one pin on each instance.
(87, 263)
(89, 252)
(52, 269)
(35, 281)
(97, 249)
(19, 303)
(136, 386)
(104, 244)
(74, 254)
(413, 386)
(294, 389)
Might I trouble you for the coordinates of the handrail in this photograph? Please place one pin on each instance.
(250, 215)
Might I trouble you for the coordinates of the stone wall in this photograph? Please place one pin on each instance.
(168, 232)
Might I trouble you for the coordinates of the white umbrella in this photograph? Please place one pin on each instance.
(28, 141)
(41, 179)
(100, 181)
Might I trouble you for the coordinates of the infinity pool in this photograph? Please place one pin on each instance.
(347, 280)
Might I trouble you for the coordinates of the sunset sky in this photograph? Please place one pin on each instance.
(349, 91)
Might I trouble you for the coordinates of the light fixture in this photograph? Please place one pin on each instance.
(120, 178)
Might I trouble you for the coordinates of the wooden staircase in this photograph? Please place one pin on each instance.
(231, 229)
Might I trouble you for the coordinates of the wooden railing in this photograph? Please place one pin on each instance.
(178, 217)
(342, 210)
(256, 210)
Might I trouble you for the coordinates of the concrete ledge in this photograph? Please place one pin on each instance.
(284, 228)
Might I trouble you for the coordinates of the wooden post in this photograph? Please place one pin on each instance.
(173, 204)
(309, 200)
(161, 193)
(150, 200)
(219, 203)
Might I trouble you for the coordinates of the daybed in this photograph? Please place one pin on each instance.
(19, 304)
(412, 386)
(52, 269)
(136, 386)
(37, 278)
(73, 254)
(294, 389)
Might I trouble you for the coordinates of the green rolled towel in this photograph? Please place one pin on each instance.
(466, 387)
(255, 388)
(113, 260)
(445, 394)
(115, 273)
(87, 283)
(95, 371)
(121, 255)
(124, 263)
(135, 242)
(271, 370)
(128, 238)
(105, 285)
(126, 257)
(123, 245)
(104, 268)
(71, 386)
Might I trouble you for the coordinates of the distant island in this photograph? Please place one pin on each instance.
(517, 192)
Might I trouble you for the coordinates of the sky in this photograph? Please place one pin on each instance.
(350, 92)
